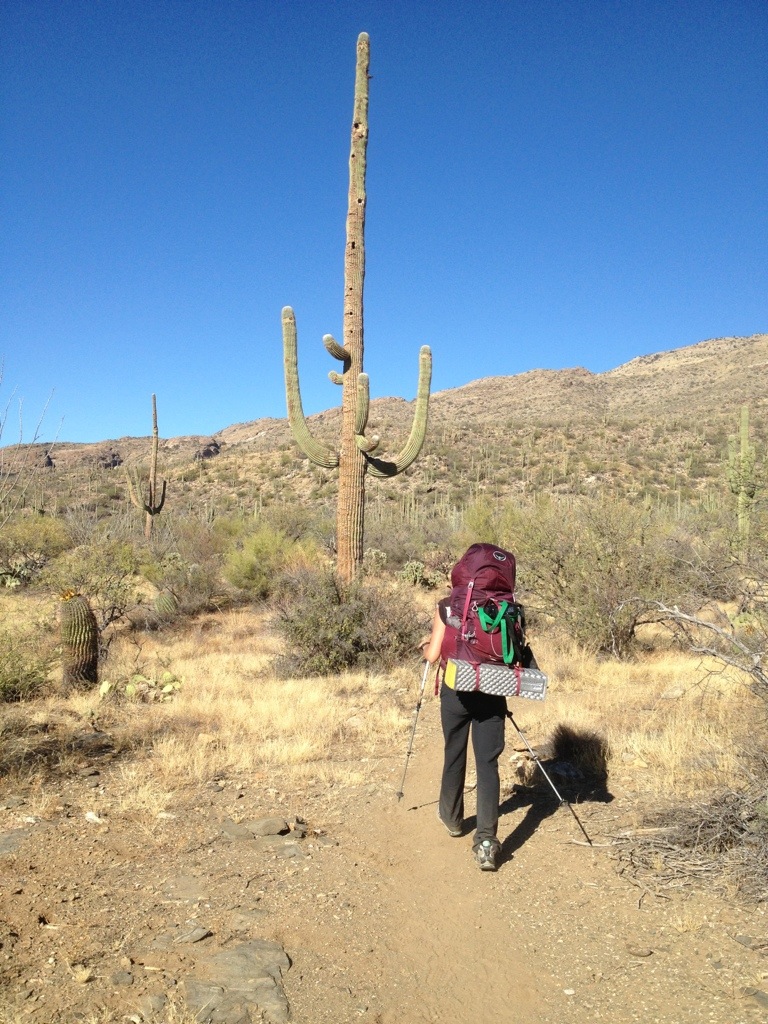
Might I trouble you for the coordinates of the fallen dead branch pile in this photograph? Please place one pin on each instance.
(719, 845)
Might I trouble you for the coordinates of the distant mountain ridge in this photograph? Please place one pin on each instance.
(658, 423)
(725, 371)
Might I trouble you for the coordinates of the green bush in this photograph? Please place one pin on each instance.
(420, 575)
(259, 560)
(26, 658)
(27, 544)
(327, 631)
(592, 565)
(374, 562)
(106, 573)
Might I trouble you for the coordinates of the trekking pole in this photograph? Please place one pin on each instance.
(400, 794)
(560, 799)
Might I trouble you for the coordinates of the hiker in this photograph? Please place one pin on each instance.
(464, 710)
(484, 714)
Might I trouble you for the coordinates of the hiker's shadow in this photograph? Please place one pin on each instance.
(538, 808)
(541, 804)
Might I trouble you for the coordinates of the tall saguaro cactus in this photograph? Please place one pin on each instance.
(742, 479)
(152, 506)
(355, 455)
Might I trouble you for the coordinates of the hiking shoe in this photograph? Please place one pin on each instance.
(485, 855)
(452, 830)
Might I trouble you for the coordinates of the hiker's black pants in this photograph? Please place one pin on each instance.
(486, 715)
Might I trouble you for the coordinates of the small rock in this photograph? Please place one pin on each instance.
(94, 818)
(196, 934)
(236, 831)
(288, 850)
(757, 996)
(12, 801)
(122, 978)
(10, 841)
(674, 693)
(744, 940)
(150, 1005)
(267, 827)
(639, 951)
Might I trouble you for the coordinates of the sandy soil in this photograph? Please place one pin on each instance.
(384, 916)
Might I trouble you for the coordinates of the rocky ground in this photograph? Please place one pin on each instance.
(339, 905)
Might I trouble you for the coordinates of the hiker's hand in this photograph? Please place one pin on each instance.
(422, 644)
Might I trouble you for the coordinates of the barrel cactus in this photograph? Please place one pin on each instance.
(80, 642)
(166, 604)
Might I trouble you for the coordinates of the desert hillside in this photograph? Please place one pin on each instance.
(656, 427)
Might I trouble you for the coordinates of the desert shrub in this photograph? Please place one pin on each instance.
(591, 564)
(374, 562)
(417, 574)
(187, 565)
(27, 544)
(328, 631)
(185, 588)
(259, 560)
(106, 574)
(409, 534)
(300, 521)
(26, 657)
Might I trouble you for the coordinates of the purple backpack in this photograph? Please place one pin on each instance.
(485, 624)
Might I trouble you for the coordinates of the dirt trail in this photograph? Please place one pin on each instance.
(385, 917)
(554, 936)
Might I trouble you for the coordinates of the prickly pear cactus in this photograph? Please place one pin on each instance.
(80, 642)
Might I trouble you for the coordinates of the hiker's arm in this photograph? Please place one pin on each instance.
(432, 650)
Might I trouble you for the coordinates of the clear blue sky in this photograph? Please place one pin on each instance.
(551, 183)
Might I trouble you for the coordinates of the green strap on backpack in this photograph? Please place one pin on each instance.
(491, 623)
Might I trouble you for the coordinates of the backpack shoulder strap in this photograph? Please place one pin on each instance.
(467, 602)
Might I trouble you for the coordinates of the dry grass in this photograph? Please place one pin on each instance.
(233, 715)
(672, 725)
(669, 719)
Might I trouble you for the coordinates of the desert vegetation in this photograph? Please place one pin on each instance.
(616, 590)
(226, 647)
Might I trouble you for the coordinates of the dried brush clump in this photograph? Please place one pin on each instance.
(720, 844)
(328, 630)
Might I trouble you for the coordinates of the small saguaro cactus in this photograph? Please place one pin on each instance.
(80, 642)
(152, 506)
(356, 453)
(742, 479)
